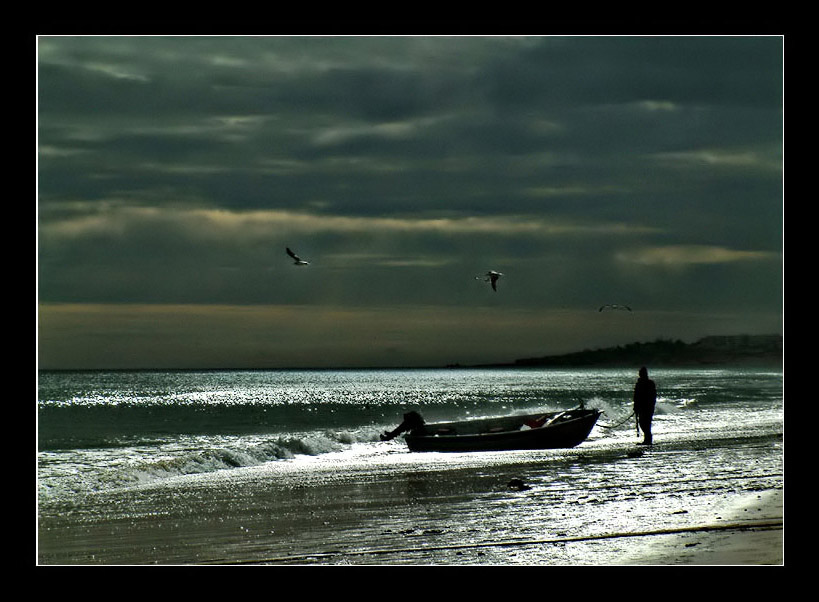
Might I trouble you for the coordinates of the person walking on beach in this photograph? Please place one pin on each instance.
(645, 398)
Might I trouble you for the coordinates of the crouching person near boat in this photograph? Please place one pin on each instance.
(412, 420)
(645, 398)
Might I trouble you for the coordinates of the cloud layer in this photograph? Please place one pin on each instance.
(647, 170)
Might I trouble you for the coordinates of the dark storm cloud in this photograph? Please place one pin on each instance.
(595, 105)
(619, 70)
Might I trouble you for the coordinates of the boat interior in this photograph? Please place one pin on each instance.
(501, 424)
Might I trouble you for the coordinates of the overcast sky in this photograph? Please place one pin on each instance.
(174, 171)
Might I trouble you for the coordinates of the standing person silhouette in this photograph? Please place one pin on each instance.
(645, 398)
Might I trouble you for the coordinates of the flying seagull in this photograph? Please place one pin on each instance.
(296, 259)
(614, 306)
(491, 276)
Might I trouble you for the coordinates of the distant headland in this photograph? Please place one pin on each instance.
(742, 350)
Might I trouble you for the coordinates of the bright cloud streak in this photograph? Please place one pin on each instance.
(216, 223)
(722, 158)
(682, 255)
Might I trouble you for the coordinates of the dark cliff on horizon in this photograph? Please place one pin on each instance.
(752, 350)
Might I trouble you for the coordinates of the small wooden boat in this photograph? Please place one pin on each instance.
(533, 431)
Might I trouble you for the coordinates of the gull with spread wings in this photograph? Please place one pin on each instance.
(491, 276)
(296, 259)
(614, 306)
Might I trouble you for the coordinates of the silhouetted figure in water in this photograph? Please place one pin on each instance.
(411, 421)
(645, 398)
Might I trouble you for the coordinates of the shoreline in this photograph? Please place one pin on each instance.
(752, 534)
(319, 526)
(747, 529)
(392, 511)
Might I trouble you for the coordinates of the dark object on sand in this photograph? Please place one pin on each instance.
(518, 485)
(534, 431)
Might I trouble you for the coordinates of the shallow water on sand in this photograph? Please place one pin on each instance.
(342, 497)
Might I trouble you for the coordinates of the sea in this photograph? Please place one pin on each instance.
(287, 467)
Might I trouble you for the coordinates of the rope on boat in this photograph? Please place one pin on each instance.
(629, 417)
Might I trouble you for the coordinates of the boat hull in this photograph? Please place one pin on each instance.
(559, 430)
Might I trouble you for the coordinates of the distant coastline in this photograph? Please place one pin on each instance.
(737, 350)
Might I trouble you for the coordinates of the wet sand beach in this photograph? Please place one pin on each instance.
(392, 513)
(746, 530)
(750, 531)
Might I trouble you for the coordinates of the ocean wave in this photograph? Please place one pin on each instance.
(91, 472)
